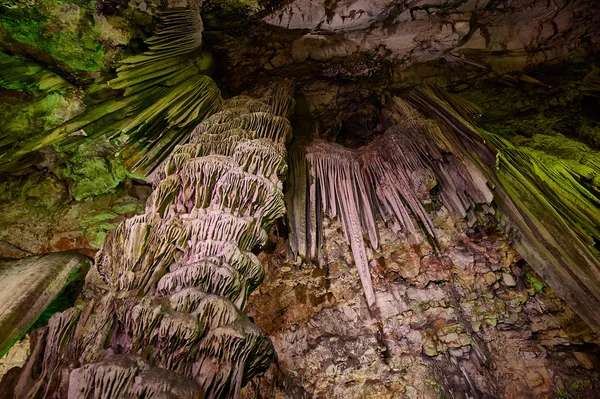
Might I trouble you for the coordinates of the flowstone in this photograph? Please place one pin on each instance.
(177, 277)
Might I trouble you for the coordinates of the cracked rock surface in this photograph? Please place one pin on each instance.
(474, 320)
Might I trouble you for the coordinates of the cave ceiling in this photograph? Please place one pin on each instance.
(347, 54)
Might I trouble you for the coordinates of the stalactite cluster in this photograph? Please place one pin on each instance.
(548, 207)
(154, 102)
(391, 178)
(171, 323)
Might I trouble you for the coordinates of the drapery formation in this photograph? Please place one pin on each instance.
(389, 178)
(170, 323)
(548, 209)
(151, 106)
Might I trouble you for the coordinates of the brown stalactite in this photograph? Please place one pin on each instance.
(391, 178)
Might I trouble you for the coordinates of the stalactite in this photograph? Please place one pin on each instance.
(164, 93)
(262, 124)
(208, 275)
(549, 212)
(343, 193)
(390, 178)
(199, 177)
(180, 274)
(262, 157)
(244, 194)
(17, 73)
(126, 376)
(549, 206)
(303, 216)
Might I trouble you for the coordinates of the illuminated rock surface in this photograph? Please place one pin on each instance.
(430, 231)
(28, 287)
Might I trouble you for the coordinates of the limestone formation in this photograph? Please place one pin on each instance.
(392, 176)
(179, 275)
(442, 198)
(153, 103)
(28, 286)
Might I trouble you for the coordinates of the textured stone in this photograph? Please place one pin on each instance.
(417, 327)
(444, 321)
(461, 259)
(508, 280)
(421, 34)
(408, 266)
(585, 359)
(49, 221)
(16, 356)
(278, 61)
(27, 286)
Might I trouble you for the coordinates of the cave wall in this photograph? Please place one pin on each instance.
(473, 320)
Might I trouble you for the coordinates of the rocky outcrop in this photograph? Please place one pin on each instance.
(27, 287)
(347, 54)
(470, 319)
(420, 31)
(39, 214)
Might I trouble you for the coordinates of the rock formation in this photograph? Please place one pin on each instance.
(435, 235)
(28, 287)
(179, 275)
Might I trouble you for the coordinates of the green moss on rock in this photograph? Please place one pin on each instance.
(77, 36)
(65, 30)
(23, 119)
(536, 284)
(92, 173)
(33, 99)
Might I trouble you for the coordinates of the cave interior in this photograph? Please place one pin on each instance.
(299, 199)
